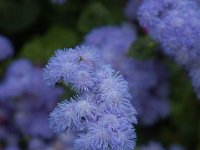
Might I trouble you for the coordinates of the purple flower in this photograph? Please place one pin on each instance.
(101, 116)
(167, 22)
(26, 101)
(147, 80)
(112, 39)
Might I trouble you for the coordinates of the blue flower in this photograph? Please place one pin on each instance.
(101, 115)
(167, 22)
(63, 117)
(143, 76)
(29, 103)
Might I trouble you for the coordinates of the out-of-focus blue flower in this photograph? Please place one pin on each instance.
(101, 116)
(118, 41)
(26, 101)
(147, 79)
(167, 22)
(6, 48)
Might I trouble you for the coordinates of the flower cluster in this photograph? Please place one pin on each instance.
(118, 42)
(101, 115)
(25, 101)
(6, 48)
(147, 79)
(167, 22)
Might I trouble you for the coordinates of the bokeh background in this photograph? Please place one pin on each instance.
(34, 29)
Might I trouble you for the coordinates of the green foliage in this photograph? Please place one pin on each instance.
(97, 14)
(184, 106)
(40, 48)
(94, 15)
(143, 48)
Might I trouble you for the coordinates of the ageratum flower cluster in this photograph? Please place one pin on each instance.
(25, 102)
(176, 25)
(6, 48)
(101, 116)
(167, 21)
(147, 79)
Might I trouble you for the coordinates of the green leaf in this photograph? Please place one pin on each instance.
(184, 104)
(94, 15)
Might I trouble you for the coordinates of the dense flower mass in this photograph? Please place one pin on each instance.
(6, 48)
(147, 79)
(101, 116)
(25, 101)
(167, 22)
